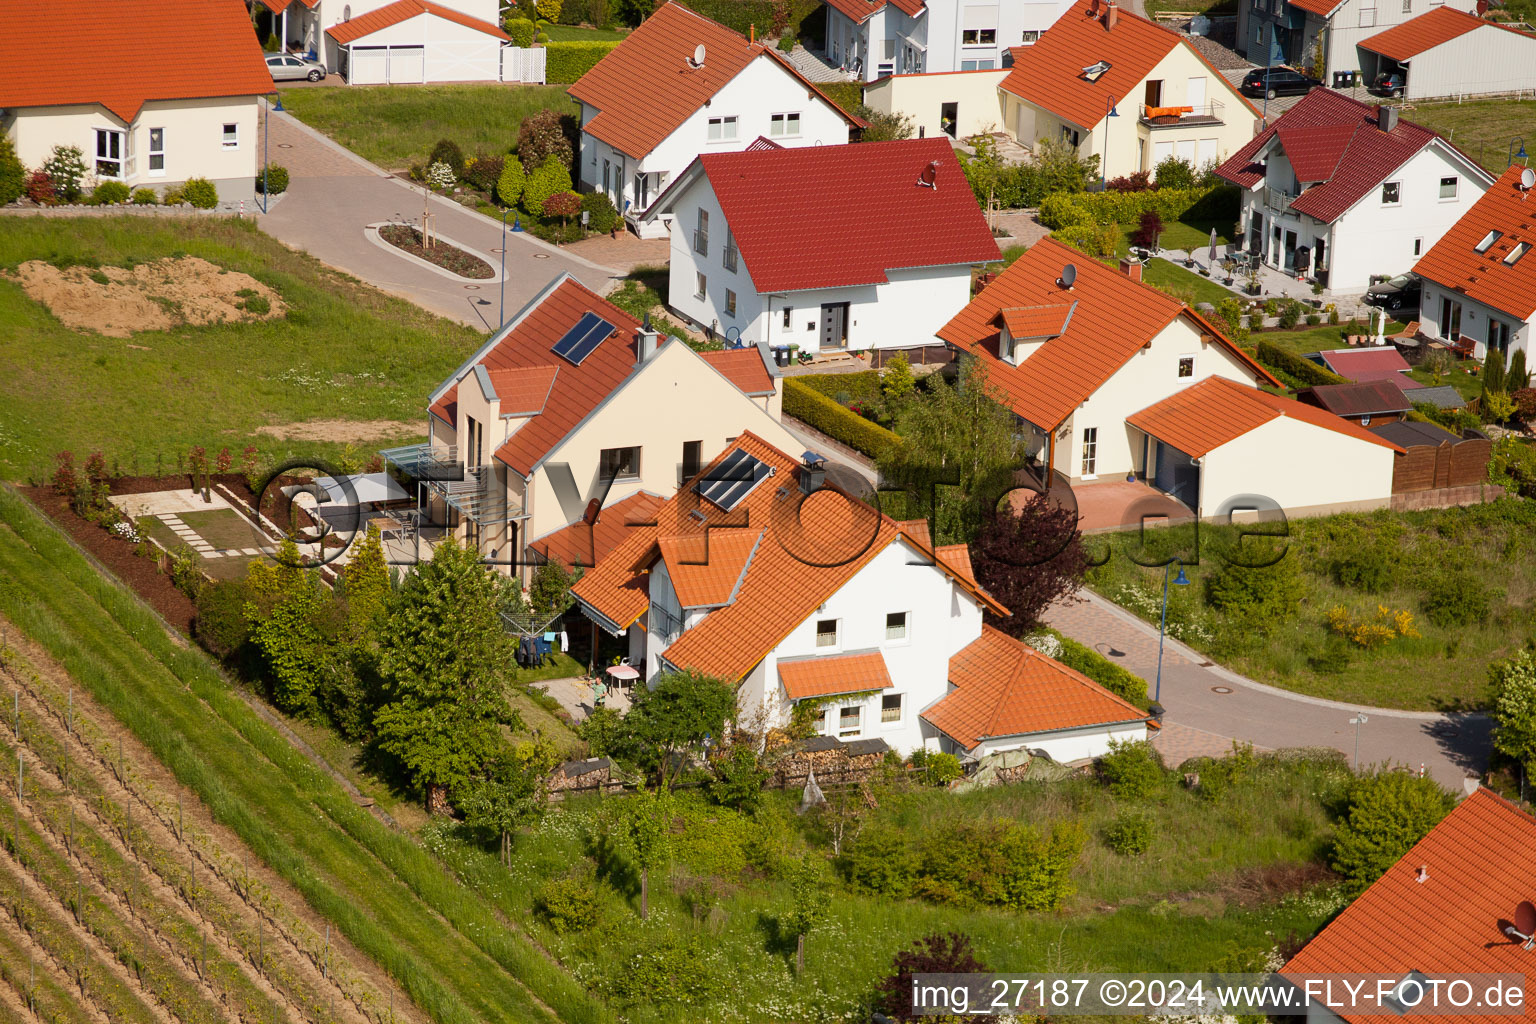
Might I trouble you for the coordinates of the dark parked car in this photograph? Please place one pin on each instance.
(1400, 292)
(1277, 81)
(1389, 83)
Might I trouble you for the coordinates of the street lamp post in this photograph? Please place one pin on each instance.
(1510, 153)
(1162, 629)
(1109, 112)
(1359, 720)
(503, 267)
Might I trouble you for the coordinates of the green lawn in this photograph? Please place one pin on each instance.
(1466, 384)
(1406, 562)
(576, 34)
(396, 127)
(1311, 339)
(1483, 128)
(344, 352)
(1181, 283)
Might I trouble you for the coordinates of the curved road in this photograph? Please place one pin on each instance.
(1209, 706)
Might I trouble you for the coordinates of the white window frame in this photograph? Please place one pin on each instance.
(982, 64)
(1392, 184)
(1455, 181)
(778, 125)
(703, 285)
(977, 40)
(905, 636)
(1185, 378)
(1367, 17)
(1090, 460)
(1031, 37)
(837, 635)
(715, 131)
(901, 710)
(843, 732)
(226, 136)
(121, 159)
(151, 170)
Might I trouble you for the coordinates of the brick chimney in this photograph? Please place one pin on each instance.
(1111, 14)
(1130, 268)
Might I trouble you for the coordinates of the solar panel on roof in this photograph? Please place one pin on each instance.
(578, 342)
(733, 479)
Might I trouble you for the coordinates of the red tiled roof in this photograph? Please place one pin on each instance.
(1368, 399)
(706, 568)
(1435, 26)
(1049, 74)
(446, 408)
(761, 143)
(278, 6)
(1481, 859)
(1046, 321)
(1205, 416)
(523, 390)
(404, 10)
(1361, 365)
(587, 544)
(1321, 8)
(55, 52)
(1454, 262)
(811, 548)
(859, 11)
(743, 367)
(958, 556)
(858, 212)
(652, 62)
(1338, 138)
(833, 674)
(1115, 318)
(1005, 688)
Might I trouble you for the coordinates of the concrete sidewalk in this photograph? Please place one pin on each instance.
(1209, 706)
(334, 194)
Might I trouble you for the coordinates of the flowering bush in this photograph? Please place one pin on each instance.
(126, 529)
(1371, 633)
(440, 176)
(40, 190)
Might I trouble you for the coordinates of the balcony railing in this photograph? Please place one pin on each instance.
(425, 461)
(1278, 199)
(701, 242)
(665, 624)
(1173, 116)
(731, 253)
(478, 496)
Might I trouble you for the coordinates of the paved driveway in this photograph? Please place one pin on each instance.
(1209, 706)
(334, 194)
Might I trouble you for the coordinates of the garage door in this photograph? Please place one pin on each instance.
(407, 64)
(1177, 475)
(368, 65)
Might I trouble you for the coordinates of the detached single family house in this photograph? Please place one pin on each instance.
(395, 42)
(759, 574)
(873, 39)
(1479, 279)
(574, 402)
(651, 106)
(1111, 377)
(1124, 89)
(858, 247)
(1292, 31)
(1340, 190)
(72, 74)
(1449, 52)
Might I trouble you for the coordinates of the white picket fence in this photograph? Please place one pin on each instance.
(519, 64)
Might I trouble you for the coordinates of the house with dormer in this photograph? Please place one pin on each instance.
(1125, 89)
(1338, 190)
(761, 574)
(558, 411)
(681, 85)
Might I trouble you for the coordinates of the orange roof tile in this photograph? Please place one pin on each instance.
(1454, 262)
(1428, 30)
(743, 367)
(1046, 321)
(706, 569)
(523, 390)
(1049, 74)
(404, 10)
(1207, 415)
(834, 674)
(811, 548)
(1115, 317)
(958, 557)
(446, 408)
(586, 543)
(278, 6)
(1481, 859)
(1004, 687)
(918, 530)
(652, 62)
(54, 52)
(1321, 8)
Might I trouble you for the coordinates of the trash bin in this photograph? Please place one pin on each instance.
(781, 355)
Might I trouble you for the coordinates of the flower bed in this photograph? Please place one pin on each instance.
(450, 258)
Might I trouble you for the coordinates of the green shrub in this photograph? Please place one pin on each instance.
(521, 30)
(1273, 356)
(1061, 209)
(549, 10)
(446, 151)
(110, 193)
(1133, 769)
(1369, 566)
(674, 968)
(813, 408)
(552, 178)
(786, 43)
(13, 176)
(936, 769)
(1038, 875)
(66, 168)
(602, 217)
(145, 197)
(1457, 597)
(1258, 595)
(566, 62)
(187, 574)
(1333, 659)
(879, 861)
(221, 625)
(1313, 319)
(1290, 314)
(483, 171)
(738, 780)
(275, 182)
(845, 387)
(509, 187)
(1118, 680)
(567, 904)
(1174, 172)
(1387, 812)
(174, 196)
(1129, 835)
(201, 193)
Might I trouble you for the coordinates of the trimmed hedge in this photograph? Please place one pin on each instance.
(864, 384)
(1095, 666)
(1061, 209)
(566, 62)
(769, 16)
(1273, 357)
(810, 406)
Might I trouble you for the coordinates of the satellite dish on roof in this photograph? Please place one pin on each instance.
(1527, 179)
(697, 60)
(1068, 276)
(930, 176)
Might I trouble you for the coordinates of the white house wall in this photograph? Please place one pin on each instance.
(1067, 745)
(194, 140)
(1306, 469)
(978, 103)
(1485, 60)
(452, 52)
(1013, 20)
(1474, 321)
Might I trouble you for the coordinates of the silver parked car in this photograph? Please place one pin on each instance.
(290, 67)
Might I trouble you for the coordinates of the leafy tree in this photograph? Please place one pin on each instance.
(1513, 700)
(1388, 811)
(602, 731)
(959, 453)
(1060, 168)
(673, 716)
(649, 830)
(512, 791)
(898, 382)
(738, 778)
(1038, 875)
(937, 953)
(13, 176)
(883, 127)
(509, 187)
(442, 658)
(551, 179)
(809, 901)
(633, 12)
(545, 134)
(549, 590)
(1148, 230)
(284, 607)
(1497, 406)
(1028, 559)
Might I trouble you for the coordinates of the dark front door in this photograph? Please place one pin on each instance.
(834, 325)
(1177, 475)
(949, 113)
(1290, 252)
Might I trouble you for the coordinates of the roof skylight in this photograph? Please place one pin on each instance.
(1488, 240)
